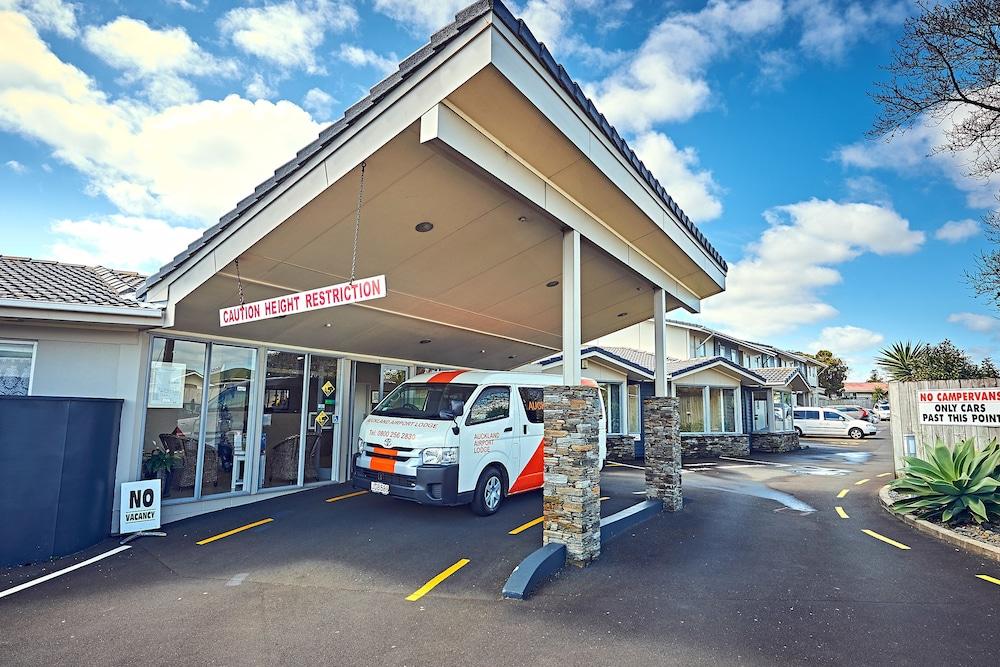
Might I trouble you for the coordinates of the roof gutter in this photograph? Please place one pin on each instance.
(51, 310)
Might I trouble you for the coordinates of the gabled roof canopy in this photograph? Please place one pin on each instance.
(483, 135)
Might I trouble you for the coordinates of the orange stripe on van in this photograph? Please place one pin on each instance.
(385, 452)
(533, 475)
(445, 376)
(383, 465)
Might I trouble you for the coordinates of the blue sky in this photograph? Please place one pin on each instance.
(126, 128)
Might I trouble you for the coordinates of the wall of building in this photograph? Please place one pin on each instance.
(709, 376)
(712, 446)
(91, 362)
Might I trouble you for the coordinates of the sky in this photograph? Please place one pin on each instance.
(127, 128)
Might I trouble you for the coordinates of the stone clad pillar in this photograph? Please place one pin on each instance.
(572, 491)
(661, 427)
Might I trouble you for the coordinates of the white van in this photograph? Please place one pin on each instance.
(458, 437)
(830, 422)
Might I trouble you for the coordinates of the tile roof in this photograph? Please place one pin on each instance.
(463, 19)
(781, 375)
(638, 358)
(646, 362)
(864, 387)
(25, 279)
(687, 365)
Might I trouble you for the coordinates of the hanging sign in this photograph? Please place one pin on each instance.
(960, 407)
(362, 289)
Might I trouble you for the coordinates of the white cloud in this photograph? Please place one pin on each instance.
(955, 231)
(776, 67)
(846, 340)
(55, 15)
(421, 16)
(666, 79)
(319, 102)
(678, 170)
(258, 88)
(288, 34)
(359, 57)
(913, 153)
(16, 167)
(190, 161)
(830, 29)
(778, 284)
(159, 59)
(119, 241)
(976, 322)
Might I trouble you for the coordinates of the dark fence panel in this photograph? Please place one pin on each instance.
(57, 474)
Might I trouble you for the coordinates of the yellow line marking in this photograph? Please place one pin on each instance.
(872, 533)
(525, 526)
(861, 481)
(884, 474)
(429, 586)
(843, 492)
(234, 531)
(841, 512)
(346, 496)
(986, 577)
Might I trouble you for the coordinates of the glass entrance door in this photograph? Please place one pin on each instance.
(392, 377)
(281, 427)
(322, 423)
(761, 408)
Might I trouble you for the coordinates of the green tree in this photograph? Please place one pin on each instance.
(831, 377)
(875, 376)
(988, 370)
(878, 395)
(902, 361)
(945, 361)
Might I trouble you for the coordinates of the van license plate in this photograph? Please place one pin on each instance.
(379, 487)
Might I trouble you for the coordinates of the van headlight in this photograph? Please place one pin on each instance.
(440, 455)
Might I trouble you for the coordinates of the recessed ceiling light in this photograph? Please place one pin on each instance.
(425, 341)
(482, 351)
(424, 227)
(622, 314)
(552, 283)
(328, 325)
(521, 218)
(512, 356)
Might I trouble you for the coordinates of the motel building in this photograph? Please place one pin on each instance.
(503, 220)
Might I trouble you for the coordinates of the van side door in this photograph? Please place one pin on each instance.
(834, 423)
(531, 472)
(488, 435)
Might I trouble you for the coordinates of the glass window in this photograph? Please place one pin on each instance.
(16, 361)
(634, 409)
(715, 409)
(282, 419)
(322, 401)
(760, 409)
(722, 409)
(493, 403)
(829, 415)
(416, 400)
(173, 415)
(783, 410)
(533, 399)
(611, 394)
(227, 418)
(807, 414)
(392, 377)
(692, 409)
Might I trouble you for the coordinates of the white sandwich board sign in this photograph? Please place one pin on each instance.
(140, 506)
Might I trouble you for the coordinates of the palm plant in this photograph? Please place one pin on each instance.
(951, 485)
(902, 361)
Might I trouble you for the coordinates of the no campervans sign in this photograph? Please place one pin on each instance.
(362, 289)
(960, 407)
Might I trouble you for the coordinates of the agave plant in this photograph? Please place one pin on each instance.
(952, 485)
(902, 360)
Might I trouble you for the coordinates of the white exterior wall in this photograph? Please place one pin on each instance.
(90, 362)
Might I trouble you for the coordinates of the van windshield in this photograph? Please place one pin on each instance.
(425, 401)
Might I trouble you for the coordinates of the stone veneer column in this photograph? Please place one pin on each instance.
(661, 428)
(572, 491)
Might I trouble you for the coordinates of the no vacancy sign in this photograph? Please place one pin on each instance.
(960, 407)
(140, 506)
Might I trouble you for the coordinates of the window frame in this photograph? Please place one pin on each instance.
(468, 419)
(524, 403)
(34, 359)
(706, 390)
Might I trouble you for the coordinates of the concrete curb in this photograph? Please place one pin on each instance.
(951, 537)
(542, 563)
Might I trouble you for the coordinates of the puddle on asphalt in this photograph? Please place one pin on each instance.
(752, 489)
(822, 472)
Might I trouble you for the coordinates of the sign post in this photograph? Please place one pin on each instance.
(140, 509)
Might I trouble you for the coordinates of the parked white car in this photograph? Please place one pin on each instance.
(883, 412)
(831, 423)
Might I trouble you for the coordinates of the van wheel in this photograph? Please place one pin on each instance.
(798, 431)
(489, 492)
(856, 433)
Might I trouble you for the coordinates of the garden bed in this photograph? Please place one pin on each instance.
(983, 540)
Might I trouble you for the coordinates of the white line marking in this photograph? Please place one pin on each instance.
(760, 463)
(53, 575)
(733, 467)
(237, 579)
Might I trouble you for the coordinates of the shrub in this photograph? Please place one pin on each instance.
(951, 485)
